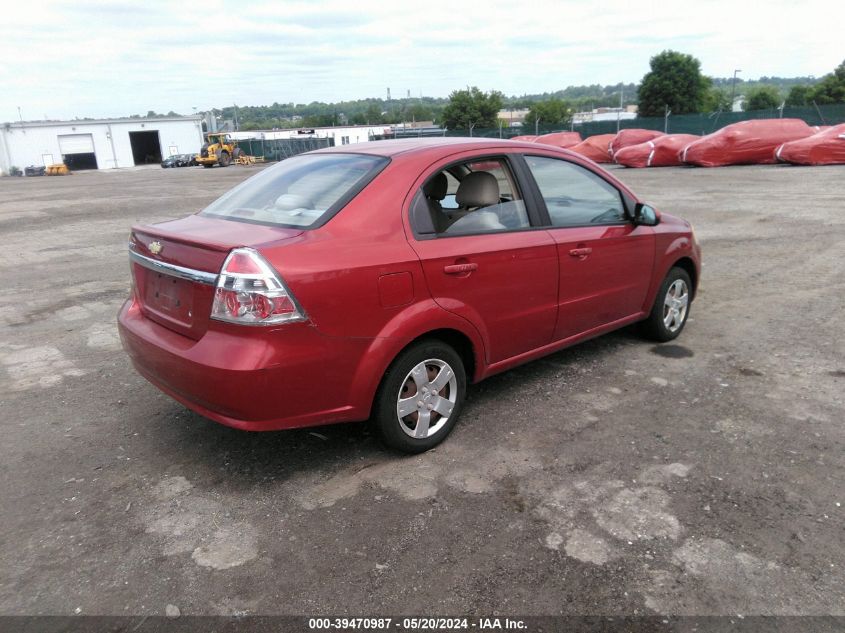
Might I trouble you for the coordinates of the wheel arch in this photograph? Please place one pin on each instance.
(429, 324)
(458, 341)
(688, 265)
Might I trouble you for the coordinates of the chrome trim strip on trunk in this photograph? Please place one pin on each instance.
(199, 276)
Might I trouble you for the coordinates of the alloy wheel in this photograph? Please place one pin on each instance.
(426, 398)
(675, 305)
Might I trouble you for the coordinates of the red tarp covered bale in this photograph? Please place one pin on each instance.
(525, 138)
(659, 152)
(596, 148)
(745, 143)
(632, 136)
(559, 139)
(824, 148)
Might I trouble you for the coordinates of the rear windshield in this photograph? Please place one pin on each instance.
(302, 191)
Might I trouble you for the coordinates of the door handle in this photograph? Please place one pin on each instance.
(581, 252)
(459, 269)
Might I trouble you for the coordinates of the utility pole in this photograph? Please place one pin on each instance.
(537, 126)
(621, 101)
(733, 88)
(667, 112)
(471, 125)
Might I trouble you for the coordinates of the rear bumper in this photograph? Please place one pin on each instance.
(254, 379)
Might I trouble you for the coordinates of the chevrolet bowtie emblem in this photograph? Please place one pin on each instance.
(155, 247)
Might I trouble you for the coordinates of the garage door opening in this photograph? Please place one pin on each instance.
(78, 151)
(78, 162)
(146, 149)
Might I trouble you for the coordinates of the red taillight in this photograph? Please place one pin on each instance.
(242, 263)
(249, 291)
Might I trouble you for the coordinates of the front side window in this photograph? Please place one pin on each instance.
(575, 196)
(478, 196)
(302, 191)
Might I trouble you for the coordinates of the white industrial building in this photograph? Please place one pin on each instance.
(606, 114)
(97, 144)
(347, 135)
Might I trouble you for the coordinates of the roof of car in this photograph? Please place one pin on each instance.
(409, 145)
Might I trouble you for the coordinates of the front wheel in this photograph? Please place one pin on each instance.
(671, 307)
(420, 397)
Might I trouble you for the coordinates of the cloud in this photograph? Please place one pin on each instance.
(102, 58)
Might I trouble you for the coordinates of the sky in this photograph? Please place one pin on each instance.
(106, 59)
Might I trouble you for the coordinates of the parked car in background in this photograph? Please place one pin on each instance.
(343, 285)
(179, 160)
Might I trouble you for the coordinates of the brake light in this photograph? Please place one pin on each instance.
(250, 292)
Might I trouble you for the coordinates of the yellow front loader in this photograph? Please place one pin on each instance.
(219, 149)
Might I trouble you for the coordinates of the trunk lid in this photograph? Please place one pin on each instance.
(177, 263)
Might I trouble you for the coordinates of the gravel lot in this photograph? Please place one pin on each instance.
(617, 477)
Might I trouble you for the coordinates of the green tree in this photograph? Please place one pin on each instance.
(472, 108)
(719, 100)
(831, 89)
(372, 114)
(675, 80)
(762, 98)
(554, 112)
(319, 120)
(799, 95)
(419, 112)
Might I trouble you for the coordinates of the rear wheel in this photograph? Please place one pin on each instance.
(671, 307)
(224, 159)
(420, 397)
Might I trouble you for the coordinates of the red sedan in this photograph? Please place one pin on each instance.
(376, 281)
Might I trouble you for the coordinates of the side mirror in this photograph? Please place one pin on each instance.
(645, 215)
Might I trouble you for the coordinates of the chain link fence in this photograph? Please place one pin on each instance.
(281, 148)
(701, 123)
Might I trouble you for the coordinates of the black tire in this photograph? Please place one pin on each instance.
(397, 380)
(655, 327)
(225, 159)
(208, 164)
(236, 153)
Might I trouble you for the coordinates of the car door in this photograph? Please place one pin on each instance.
(499, 274)
(605, 260)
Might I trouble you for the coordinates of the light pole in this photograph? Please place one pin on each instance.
(733, 88)
(621, 101)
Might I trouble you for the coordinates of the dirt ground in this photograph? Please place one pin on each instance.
(617, 477)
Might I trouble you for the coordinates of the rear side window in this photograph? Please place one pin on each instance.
(302, 191)
(478, 196)
(575, 196)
